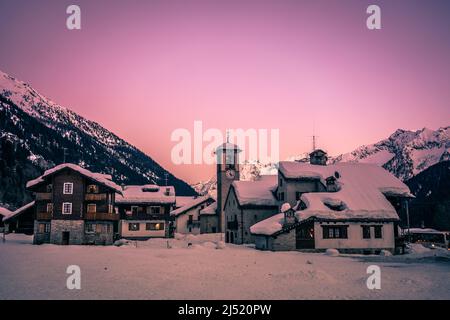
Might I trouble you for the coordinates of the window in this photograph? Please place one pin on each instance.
(366, 232)
(133, 227)
(335, 232)
(92, 188)
(134, 210)
(91, 208)
(44, 227)
(378, 232)
(153, 210)
(67, 208)
(68, 188)
(49, 188)
(49, 207)
(152, 226)
(110, 208)
(90, 227)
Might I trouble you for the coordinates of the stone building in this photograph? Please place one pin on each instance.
(247, 203)
(74, 206)
(347, 206)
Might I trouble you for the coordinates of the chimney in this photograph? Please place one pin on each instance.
(318, 157)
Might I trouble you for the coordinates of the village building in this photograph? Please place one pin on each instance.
(209, 220)
(20, 220)
(145, 211)
(188, 217)
(247, 203)
(351, 207)
(74, 206)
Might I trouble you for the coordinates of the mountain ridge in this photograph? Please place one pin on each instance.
(36, 134)
(405, 153)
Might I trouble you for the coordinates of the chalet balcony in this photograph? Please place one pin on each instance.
(44, 216)
(232, 225)
(193, 223)
(101, 216)
(95, 197)
(43, 196)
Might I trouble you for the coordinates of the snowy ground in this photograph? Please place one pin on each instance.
(152, 271)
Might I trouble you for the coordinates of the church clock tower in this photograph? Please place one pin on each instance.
(227, 171)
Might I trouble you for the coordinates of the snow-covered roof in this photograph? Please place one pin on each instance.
(5, 212)
(268, 226)
(18, 211)
(362, 193)
(101, 178)
(209, 210)
(258, 192)
(422, 230)
(147, 194)
(192, 204)
(181, 201)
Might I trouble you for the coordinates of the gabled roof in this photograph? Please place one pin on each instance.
(209, 210)
(181, 201)
(19, 211)
(5, 212)
(256, 193)
(101, 178)
(192, 204)
(362, 194)
(147, 194)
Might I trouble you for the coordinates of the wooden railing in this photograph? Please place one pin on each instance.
(44, 216)
(43, 196)
(101, 216)
(95, 196)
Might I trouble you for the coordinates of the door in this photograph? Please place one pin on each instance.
(65, 237)
(304, 236)
(231, 237)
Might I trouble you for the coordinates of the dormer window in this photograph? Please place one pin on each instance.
(68, 188)
(92, 188)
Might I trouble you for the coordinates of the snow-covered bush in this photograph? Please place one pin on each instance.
(121, 242)
(332, 252)
(220, 245)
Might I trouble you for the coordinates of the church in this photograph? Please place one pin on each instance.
(352, 207)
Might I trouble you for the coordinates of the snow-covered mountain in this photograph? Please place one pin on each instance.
(405, 154)
(37, 133)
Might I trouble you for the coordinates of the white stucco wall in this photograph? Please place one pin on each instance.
(125, 233)
(182, 219)
(355, 238)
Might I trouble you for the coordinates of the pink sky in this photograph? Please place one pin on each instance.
(145, 68)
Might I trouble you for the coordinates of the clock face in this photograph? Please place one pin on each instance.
(230, 174)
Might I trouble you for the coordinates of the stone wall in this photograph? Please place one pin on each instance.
(284, 241)
(74, 227)
(40, 237)
(103, 233)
